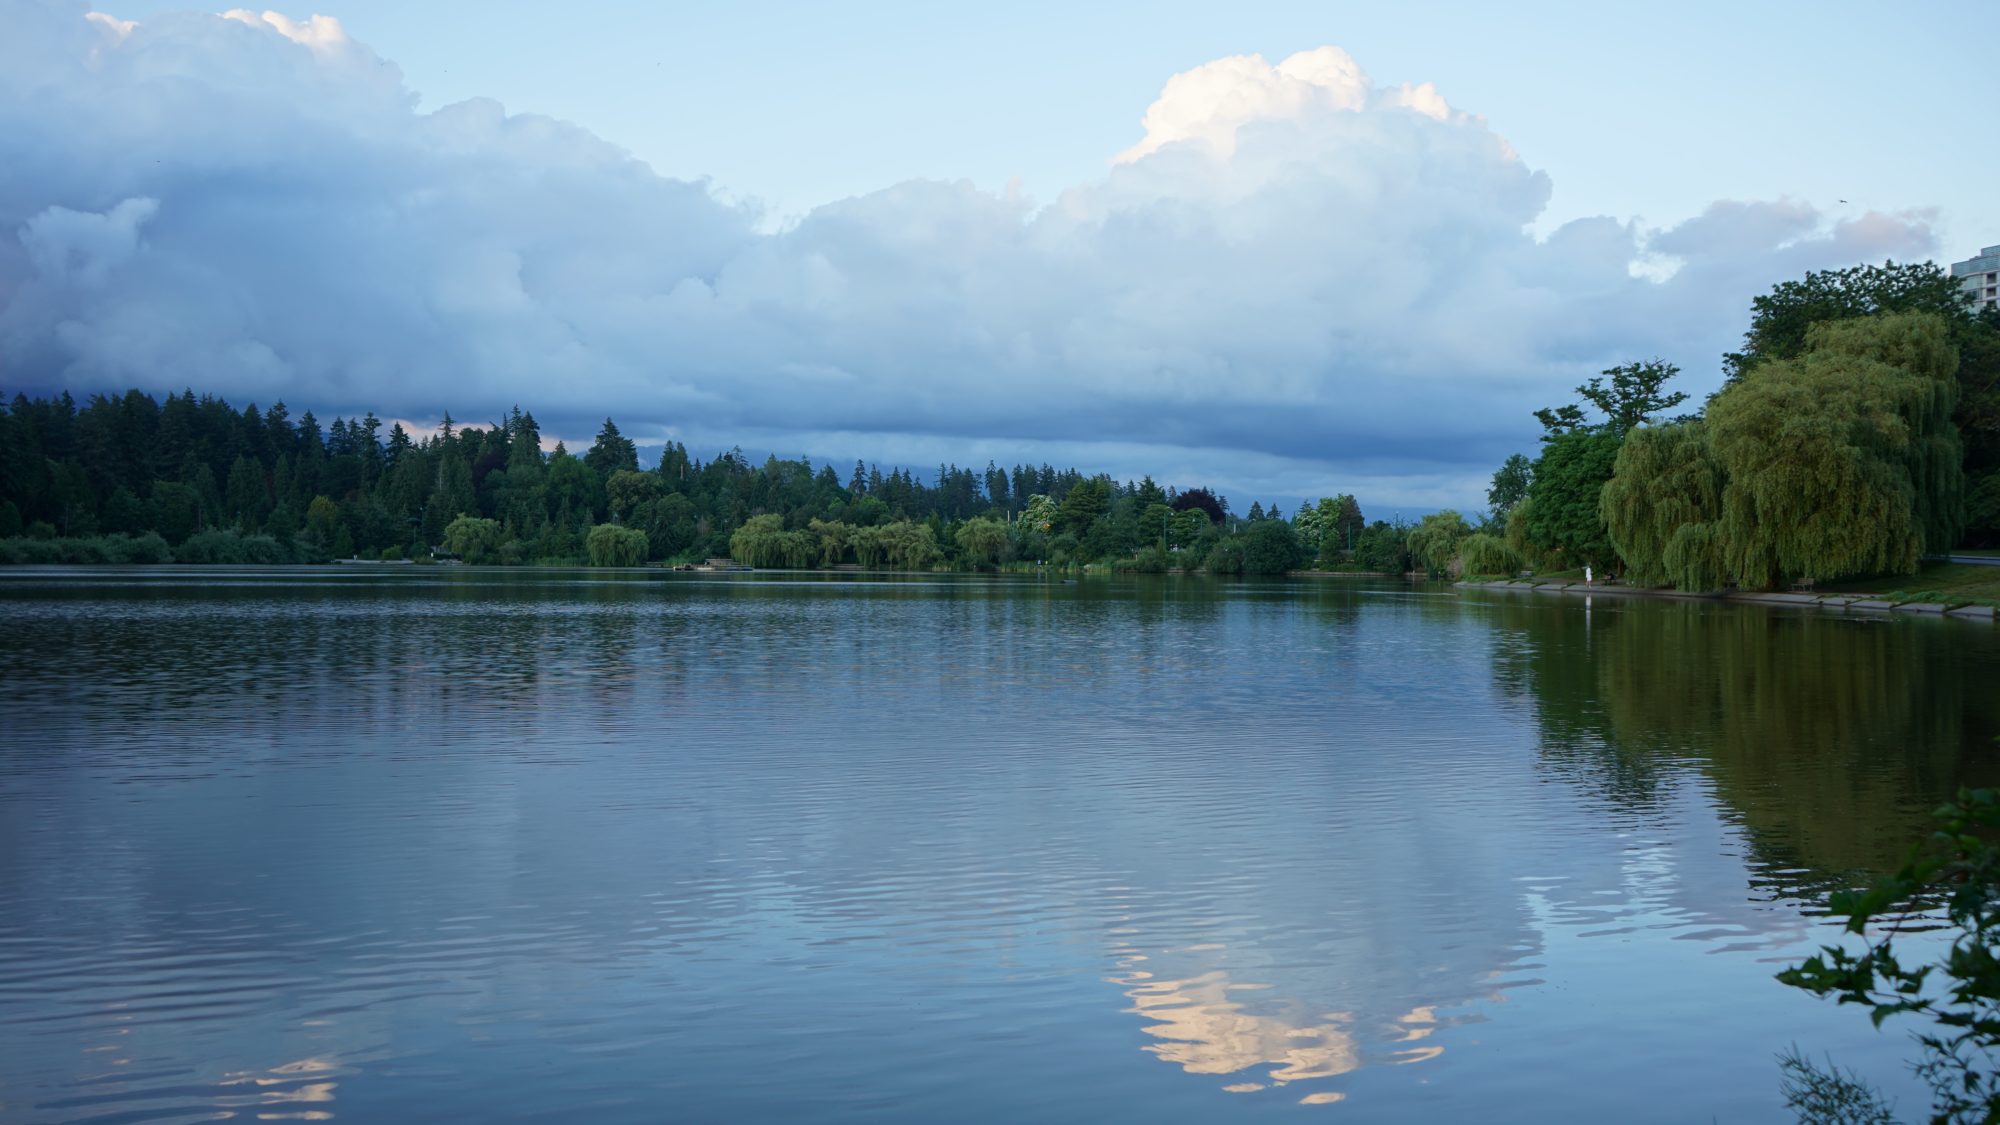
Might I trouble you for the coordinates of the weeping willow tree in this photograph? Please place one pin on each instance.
(1919, 344)
(1842, 461)
(1661, 504)
(1434, 541)
(1481, 553)
(763, 541)
(611, 545)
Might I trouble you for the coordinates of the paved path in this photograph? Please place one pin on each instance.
(1975, 560)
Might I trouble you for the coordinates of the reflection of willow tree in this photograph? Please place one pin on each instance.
(1545, 652)
(1830, 737)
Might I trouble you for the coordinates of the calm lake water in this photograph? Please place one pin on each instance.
(458, 845)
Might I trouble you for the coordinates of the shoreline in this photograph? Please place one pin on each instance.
(1841, 603)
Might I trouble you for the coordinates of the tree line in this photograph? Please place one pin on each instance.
(1857, 432)
(128, 478)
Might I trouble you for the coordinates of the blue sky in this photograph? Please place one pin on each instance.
(909, 235)
(1637, 112)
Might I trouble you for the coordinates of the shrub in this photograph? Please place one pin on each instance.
(212, 547)
(1151, 560)
(143, 550)
(99, 550)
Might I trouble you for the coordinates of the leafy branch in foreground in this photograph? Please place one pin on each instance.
(1832, 1096)
(1958, 867)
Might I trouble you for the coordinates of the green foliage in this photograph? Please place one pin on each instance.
(1841, 460)
(1383, 547)
(148, 549)
(1347, 522)
(611, 545)
(1434, 541)
(1113, 535)
(1660, 505)
(228, 546)
(562, 544)
(1186, 529)
(1982, 508)
(1489, 555)
(1328, 527)
(176, 511)
(451, 495)
(901, 544)
(909, 546)
(106, 550)
(1561, 490)
(1781, 320)
(1563, 516)
(474, 539)
(1695, 559)
(1225, 556)
(1517, 537)
(571, 492)
(1510, 486)
(246, 499)
(1782, 323)
(196, 465)
(628, 489)
(833, 537)
(1149, 560)
(1635, 394)
(612, 452)
(1040, 513)
(1834, 461)
(984, 540)
(1919, 345)
(671, 524)
(1086, 502)
(763, 541)
(1956, 867)
(1260, 547)
(322, 522)
(1270, 547)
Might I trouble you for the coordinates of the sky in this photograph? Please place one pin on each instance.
(1283, 250)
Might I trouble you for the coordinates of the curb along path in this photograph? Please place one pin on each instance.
(1844, 603)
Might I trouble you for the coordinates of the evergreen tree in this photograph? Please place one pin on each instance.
(612, 452)
(451, 497)
(247, 500)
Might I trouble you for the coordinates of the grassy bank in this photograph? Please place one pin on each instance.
(1955, 583)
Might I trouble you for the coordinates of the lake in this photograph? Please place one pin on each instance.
(417, 844)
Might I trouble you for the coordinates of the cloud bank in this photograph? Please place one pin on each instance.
(1294, 281)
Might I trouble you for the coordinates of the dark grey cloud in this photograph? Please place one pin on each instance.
(1295, 282)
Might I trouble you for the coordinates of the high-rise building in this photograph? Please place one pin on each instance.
(1980, 277)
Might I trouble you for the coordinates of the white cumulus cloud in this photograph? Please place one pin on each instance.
(1294, 281)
